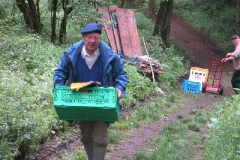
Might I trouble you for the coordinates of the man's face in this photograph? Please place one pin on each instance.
(91, 41)
(235, 42)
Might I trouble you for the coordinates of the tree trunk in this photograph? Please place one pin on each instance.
(160, 18)
(31, 14)
(63, 26)
(54, 7)
(163, 21)
(165, 32)
(238, 17)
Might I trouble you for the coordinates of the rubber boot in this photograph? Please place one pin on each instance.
(99, 152)
(89, 150)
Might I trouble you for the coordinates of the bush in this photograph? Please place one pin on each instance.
(26, 85)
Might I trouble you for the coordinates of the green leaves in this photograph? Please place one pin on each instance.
(223, 141)
(26, 93)
(139, 86)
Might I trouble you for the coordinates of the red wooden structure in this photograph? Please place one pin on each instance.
(121, 29)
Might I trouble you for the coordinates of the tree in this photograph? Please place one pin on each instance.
(63, 26)
(31, 14)
(163, 21)
(54, 6)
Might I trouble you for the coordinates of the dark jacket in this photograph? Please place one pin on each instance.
(114, 74)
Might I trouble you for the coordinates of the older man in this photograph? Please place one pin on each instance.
(234, 56)
(91, 59)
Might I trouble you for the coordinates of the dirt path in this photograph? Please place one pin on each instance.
(195, 45)
(190, 41)
(143, 136)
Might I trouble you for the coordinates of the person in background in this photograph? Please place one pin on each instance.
(91, 59)
(234, 57)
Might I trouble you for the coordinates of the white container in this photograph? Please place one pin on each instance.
(198, 75)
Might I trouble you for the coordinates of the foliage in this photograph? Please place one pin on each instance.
(4, 7)
(26, 70)
(139, 87)
(78, 19)
(223, 141)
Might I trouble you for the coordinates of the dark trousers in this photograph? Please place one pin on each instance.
(236, 80)
(94, 131)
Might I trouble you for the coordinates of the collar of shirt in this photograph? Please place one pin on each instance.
(237, 45)
(87, 57)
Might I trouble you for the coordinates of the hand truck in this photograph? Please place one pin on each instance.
(213, 83)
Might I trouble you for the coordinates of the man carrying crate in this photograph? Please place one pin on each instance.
(91, 59)
(234, 56)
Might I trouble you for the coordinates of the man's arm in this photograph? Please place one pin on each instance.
(61, 73)
(235, 53)
(120, 76)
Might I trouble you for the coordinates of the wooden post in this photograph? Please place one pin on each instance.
(149, 60)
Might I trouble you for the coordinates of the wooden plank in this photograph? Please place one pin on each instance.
(112, 10)
(104, 14)
(128, 32)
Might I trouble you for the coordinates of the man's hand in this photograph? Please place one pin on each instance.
(119, 94)
(224, 59)
(229, 55)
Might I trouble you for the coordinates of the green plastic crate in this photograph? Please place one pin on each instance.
(87, 104)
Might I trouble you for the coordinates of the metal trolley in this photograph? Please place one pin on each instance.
(213, 83)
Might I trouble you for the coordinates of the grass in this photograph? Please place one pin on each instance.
(177, 140)
(223, 141)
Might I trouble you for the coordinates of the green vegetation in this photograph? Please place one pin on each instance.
(223, 142)
(215, 19)
(27, 62)
(176, 141)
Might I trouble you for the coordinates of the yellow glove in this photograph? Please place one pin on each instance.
(77, 86)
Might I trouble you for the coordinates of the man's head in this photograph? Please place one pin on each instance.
(235, 39)
(91, 35)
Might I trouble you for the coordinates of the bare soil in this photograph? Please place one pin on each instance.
(196, 47)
